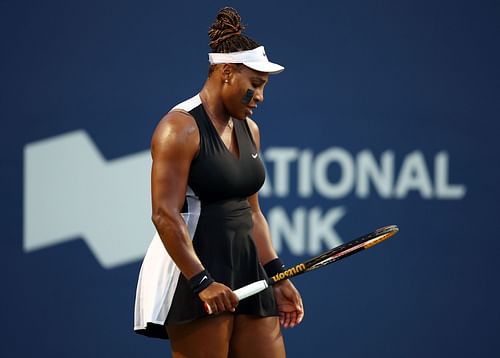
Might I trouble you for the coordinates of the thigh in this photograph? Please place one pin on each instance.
(256, 337)
(205, 337)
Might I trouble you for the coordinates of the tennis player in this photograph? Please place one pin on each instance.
(211, 236)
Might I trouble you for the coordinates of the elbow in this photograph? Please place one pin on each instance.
(162, 218)
(157, 218)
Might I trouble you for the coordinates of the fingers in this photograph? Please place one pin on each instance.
(290, 305)
(289, 319)
(223, 303)
(218, 298)
(300, 316)
(219, 305)
(207, 308)
(300, 311)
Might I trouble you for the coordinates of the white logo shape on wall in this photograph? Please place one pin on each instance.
(71, 191)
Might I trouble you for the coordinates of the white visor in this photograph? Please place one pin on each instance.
(256, 59)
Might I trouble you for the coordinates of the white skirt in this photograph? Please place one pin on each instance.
(159, 276)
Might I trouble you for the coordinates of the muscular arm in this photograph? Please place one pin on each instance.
(174, 145)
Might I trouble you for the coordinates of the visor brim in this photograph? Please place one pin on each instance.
(267, 67)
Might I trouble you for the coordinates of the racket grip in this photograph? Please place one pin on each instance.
(251, 289)
(243, 292)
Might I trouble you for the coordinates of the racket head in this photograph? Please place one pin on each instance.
(337, 253)
(342, 251)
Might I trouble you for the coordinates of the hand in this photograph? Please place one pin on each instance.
(218, 298)
(289, 303)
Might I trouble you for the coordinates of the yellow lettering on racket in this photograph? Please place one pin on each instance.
(288, 273)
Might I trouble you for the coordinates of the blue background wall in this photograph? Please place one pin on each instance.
(397, 77)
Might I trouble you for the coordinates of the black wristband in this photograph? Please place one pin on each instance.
(274, 267)
(200, 281)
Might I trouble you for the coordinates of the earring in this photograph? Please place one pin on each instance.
(226, 81)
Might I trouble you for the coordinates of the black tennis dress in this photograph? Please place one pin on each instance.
(219, 220)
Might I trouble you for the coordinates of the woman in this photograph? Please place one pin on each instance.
(205, 176)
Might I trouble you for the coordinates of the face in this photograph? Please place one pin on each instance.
(243, 91)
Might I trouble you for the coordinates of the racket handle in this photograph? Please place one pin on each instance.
(243, 292)
(251, 289)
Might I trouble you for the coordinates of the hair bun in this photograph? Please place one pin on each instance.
(227, 24)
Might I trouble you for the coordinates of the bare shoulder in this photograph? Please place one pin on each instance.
(254, 128)
(177, 123)
(177, 131)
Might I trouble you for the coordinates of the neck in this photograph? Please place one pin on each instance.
(210, 97)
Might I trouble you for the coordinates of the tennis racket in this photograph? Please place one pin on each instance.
(333, 255)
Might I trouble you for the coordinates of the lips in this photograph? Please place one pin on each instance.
(250, 109)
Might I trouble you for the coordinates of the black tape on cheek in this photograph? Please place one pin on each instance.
(248, 96)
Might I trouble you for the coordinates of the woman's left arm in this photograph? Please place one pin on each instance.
(287, 297)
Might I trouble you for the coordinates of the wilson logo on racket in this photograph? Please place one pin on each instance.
(290, 272)
(333, 255)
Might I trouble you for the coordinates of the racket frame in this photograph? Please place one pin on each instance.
(337, 253)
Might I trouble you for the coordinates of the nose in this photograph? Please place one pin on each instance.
(258, 96)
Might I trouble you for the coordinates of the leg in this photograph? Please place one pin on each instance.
(205, 337)
(256, 337)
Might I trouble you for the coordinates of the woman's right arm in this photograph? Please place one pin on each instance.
(174, 145)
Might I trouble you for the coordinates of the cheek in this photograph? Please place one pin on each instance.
(248, 96)
(232, 99)
(238, 95)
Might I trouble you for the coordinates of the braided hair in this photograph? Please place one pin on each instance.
(226, 34)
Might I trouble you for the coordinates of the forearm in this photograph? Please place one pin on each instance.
(175, 237)
(262, 238)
